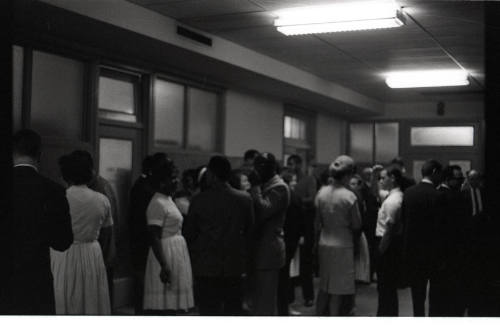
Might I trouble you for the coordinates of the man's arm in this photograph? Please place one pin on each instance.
(268, 205)
(57, 210)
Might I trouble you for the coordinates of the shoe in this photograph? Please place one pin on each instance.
(293, 312)
(309, 303)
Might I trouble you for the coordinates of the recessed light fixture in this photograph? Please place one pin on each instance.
(427, 78)
(339, 17)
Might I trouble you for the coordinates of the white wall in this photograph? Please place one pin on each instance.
(330, 138)
(427, 110)
(252, 122)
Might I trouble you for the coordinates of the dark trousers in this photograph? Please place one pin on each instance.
(418, 285)
(219, 296)
(306, 256)
(139, 291)
(265, 295)
(285, 286)
(388, 304)
(110, 276)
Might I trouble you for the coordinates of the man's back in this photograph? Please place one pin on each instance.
(419, 212)
(39, 219)
(217, 230)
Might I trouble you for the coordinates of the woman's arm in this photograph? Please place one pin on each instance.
(106, 240)
(156, 245)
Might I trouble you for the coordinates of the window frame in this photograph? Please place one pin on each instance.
(184, 147)
(309, 144)
(374, 138)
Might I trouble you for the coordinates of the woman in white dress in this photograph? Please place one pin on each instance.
(168, 285)
(80, 282)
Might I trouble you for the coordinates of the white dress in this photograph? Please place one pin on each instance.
(80, 281)
(178, 294)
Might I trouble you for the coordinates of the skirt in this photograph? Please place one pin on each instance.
(178, 294)
(336, 270)
(80, 281)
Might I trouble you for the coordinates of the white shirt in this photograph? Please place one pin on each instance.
(26, 164)
(390, 211)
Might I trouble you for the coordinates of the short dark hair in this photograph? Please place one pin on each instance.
(448, 171)
(162, 168)
(394, 171)
(27, 142)
(430, 167)
(147, 164)
(250, 154)
(296, 158)
(76, 168)
(398, 160)
(220, 167)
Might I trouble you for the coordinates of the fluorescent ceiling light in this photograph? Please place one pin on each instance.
(339, 17)
(427, 78)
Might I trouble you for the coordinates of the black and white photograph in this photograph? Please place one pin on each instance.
(251, 158)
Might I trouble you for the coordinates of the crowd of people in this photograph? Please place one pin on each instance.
(223, 240)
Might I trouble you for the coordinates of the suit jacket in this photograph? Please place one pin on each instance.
(454, 229)
(271, 203)
(217, 230)
(420, 216)
(140, 196)
(39, 219)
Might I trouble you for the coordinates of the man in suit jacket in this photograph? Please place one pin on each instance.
(38, 220)
(420, 217)
(217, 231)
(271, 198)
(450, 290)
(140, 196)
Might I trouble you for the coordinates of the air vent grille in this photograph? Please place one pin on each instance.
(195, 36)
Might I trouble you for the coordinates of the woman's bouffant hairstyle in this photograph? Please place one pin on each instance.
(76, 168)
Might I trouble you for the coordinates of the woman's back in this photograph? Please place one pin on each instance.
(89, 212)
(339, 216)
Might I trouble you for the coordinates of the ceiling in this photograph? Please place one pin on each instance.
(437, 34)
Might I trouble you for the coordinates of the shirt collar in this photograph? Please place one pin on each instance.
(426, 180)
(26, 164)
(444, 185)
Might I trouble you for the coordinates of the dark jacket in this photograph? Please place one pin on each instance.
(39, 219)
(217, 230)
(140, 196)
(271, 203)
(420, 216)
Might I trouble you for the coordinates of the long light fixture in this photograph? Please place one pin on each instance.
(339, 17)
(427, 78)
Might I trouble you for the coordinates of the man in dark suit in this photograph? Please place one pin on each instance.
(38, 220)
(217, 231)
(271, 198)
(140, 196)
(450, 279)
(420, 218)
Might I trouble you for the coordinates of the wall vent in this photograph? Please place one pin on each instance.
(195, 36)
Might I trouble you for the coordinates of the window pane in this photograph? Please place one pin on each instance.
(202, 122)
(169, 113)
(288, 127)
(117, 96)
(386, 141)
(442, 136)
(57, 96)
(361, 142)
(17, 87)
